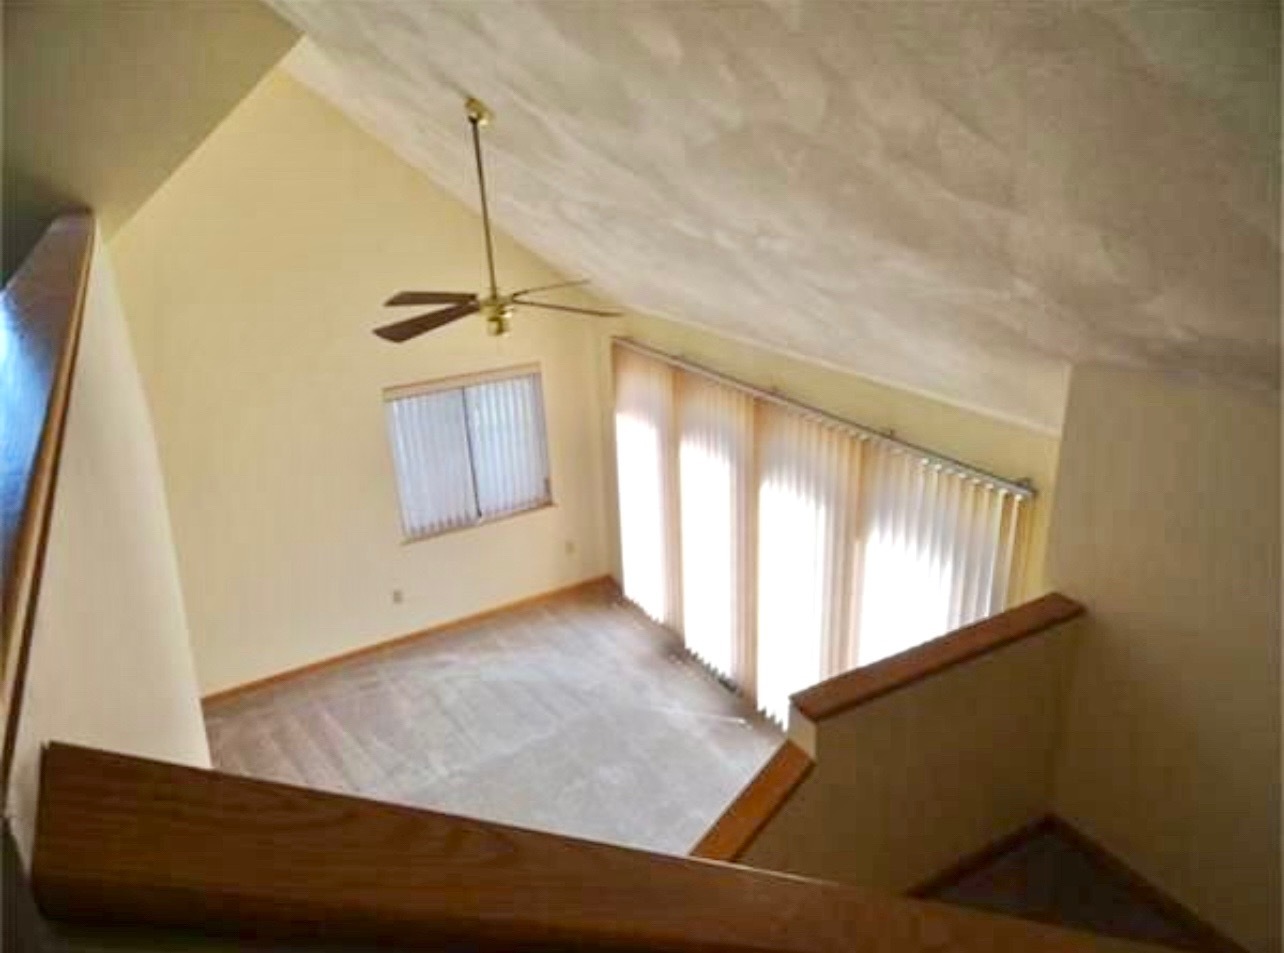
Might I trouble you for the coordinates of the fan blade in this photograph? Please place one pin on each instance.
(560, 284)
(413, 327)
(429, 297)
(566, 307)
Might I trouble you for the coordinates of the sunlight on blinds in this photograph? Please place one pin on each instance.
(644, 449)
(430, 452)
(715, 426)
(808, 480)
(506, 434)
(788, 548)
(938, 553)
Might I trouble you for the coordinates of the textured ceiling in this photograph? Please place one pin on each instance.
(960, 198)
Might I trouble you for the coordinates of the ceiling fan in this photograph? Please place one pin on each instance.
(498, 308)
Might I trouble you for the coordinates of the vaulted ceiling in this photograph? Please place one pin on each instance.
(959, 198)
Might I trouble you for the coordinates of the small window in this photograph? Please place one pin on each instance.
(468, 450)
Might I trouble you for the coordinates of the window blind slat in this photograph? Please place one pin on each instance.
(430, 453)
(506, 436)
(714, 429)
(806, 470)
(1007, 550)
(644, 448)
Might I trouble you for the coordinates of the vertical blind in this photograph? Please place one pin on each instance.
(939, 553)
(467, 453)
(715, 436)
(430, 451)
(807, 476)
(787, 549)
(506, 435)
(647, 477)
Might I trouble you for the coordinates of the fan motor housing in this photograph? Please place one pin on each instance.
(499, 318)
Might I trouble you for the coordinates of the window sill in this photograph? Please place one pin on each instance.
(490, 521)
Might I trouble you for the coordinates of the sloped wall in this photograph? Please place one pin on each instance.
(1167, 527)
(103, 99)
(110, 662)
(252, 280)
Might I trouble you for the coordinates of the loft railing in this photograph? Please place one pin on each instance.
(760, 801)
(910, 773)
(126, 840)
(40, 316)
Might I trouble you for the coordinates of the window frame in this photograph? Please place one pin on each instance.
(461, 382)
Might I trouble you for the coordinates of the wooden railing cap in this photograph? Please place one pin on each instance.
(41, 310)
(756, 805)
(150, 844)
(861, 685)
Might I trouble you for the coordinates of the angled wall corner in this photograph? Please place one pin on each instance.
(111, 663)
(1167, 528)
(909, 781)
(252, 280)
(103, 101)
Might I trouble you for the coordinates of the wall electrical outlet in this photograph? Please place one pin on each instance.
(397, 597)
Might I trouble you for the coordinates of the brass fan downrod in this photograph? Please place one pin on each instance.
(496, 308)
(498, 311)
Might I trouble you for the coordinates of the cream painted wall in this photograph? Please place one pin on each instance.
(103, 100)
(252, 279)
(1006, 449)
(909, 783)
(110, 662)
(1166, 527)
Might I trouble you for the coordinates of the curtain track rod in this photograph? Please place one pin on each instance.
(1020, 488)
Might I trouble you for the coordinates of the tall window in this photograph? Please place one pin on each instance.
(787, 548)
(808, 489)
(647, 471)
(468, 450)
(939, 551)
(715, 436)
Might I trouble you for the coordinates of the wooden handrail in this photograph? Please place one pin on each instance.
(864, 684)
(762, 798)
(133, 841)
(40, 316)
(756, 804)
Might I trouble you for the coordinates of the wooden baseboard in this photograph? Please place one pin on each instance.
(526, 603)
(1204, 933)
(1207, 937)
(971, 863)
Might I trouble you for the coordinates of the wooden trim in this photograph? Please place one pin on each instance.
(457, 381)
(41, 312)
(1204, 933)
(760, 801)
(861, 685)
(138, 842)
(479, 523)
(971, 863)
(224, 694)
(21, 929)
